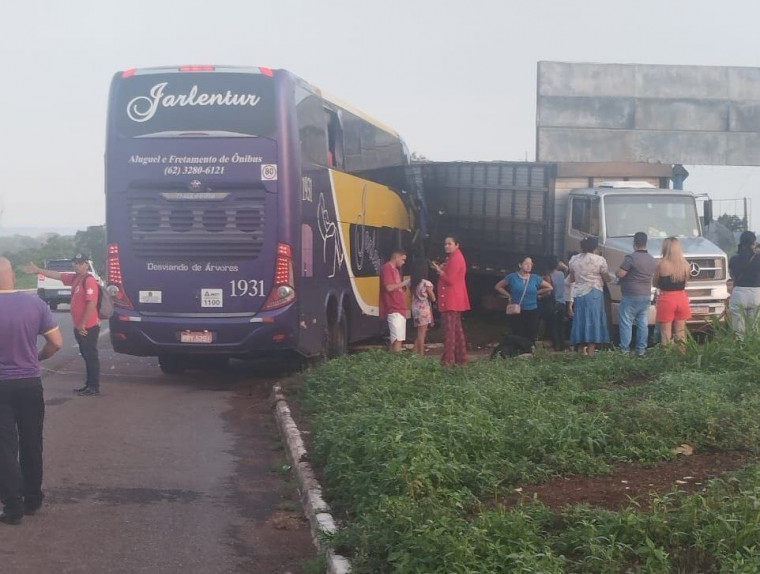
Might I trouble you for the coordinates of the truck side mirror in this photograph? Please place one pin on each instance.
(708, 216)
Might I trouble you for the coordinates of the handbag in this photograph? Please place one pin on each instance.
(514, 308)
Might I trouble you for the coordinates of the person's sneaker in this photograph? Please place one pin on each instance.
(89, 392)
(10, 518)
(81, 389)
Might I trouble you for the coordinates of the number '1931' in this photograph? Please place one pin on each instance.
(250, 287)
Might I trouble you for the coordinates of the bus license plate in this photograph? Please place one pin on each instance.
(700, 310)
(195, 337)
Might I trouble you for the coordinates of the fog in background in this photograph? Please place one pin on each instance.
(457, 80)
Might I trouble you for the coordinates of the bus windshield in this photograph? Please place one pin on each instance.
(659, 216)
(195, 103)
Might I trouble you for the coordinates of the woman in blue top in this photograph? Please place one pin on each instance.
(522, 287)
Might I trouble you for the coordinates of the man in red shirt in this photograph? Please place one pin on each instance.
(84, 313)
(393, 298)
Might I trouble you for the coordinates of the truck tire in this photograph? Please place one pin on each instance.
(613, 329)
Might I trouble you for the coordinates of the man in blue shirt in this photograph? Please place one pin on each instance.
(23, 317)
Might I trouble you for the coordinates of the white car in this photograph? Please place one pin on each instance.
(53, 291)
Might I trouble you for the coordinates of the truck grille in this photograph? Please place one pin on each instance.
(706, 269)
(230, 226)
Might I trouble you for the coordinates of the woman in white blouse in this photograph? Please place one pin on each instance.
(589, 273)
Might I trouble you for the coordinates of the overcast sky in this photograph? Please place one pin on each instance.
(456, 79)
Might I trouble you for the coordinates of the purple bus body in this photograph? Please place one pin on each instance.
(201, 207)
(164, 279)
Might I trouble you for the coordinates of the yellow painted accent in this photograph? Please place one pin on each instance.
(361, 201)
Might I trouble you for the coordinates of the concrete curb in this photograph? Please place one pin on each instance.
(316, 509)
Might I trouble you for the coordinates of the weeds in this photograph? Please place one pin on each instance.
(412, 453)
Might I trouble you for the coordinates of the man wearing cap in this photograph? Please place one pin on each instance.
(23, 318)
(84, 313)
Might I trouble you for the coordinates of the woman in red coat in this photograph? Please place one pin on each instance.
(452, 300)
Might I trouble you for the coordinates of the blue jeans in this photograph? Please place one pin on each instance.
(634, 310)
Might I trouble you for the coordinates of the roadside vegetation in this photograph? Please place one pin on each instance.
(20, 249)
(422, 464)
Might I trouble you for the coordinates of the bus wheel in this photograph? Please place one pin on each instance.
(53, 306)
(337, 343)
(171, 365)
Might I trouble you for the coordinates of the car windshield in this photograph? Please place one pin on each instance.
(60, 265)
(658, 216)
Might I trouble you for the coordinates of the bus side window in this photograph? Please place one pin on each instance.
(307, 250)
(334, 140)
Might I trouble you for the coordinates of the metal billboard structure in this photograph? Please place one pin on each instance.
(706, 115)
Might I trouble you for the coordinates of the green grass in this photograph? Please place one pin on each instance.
(413, 456)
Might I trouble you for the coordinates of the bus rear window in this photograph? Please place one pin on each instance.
(177, 103)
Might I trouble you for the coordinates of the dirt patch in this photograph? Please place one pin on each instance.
(631, 483)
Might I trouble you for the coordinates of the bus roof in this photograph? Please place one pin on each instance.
(261, 70)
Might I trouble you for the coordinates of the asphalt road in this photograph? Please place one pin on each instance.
(159, 474)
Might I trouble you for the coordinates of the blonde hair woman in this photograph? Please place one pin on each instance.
(672, 303)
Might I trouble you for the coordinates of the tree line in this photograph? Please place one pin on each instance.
(21, 249)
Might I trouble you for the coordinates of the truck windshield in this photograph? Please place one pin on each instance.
(658, 216)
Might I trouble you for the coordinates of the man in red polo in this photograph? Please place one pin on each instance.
(84, 313)
(393, 298)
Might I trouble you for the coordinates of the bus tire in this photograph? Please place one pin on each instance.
(171, 364)
(337, 344)
(53, 306)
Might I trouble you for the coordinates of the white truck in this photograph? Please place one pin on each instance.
(503, 210)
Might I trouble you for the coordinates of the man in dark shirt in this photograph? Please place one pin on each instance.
(635, 275)
(744, 304)
(23, 317)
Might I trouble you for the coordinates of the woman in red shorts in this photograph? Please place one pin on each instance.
(672, 302)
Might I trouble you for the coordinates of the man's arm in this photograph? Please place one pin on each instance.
(31, 267)
(53, 343)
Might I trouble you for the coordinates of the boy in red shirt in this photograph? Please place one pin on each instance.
(393, 298)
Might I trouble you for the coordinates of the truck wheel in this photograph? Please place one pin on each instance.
(613, 329)
(171, 364)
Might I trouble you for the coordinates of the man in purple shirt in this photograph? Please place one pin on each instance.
(23, 317)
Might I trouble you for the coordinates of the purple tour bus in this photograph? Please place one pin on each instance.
(240, 218)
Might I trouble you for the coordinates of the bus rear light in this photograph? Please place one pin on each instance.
(282, 292)
(266, 71)
(196, 68)
(128, 73)
(114, 278)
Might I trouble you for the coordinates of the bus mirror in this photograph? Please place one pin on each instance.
(708, 216)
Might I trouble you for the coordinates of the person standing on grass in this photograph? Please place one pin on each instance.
(84, 313)
(23, 318)
(589, 273)
(673, 308)
(744, 304)
(422, 298)
(523, 288)
(393, 298)
(558, 318)
(635, 274)
(452, 301)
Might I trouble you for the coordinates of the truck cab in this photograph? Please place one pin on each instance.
(616, 210)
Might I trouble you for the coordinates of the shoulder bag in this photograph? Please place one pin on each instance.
(514, 308)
